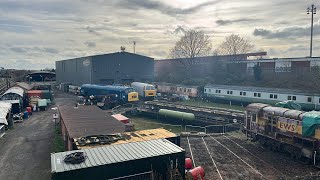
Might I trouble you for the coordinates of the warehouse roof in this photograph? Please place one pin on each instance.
(89, 120)
(115, 154)
(110, 54)
(261, 89)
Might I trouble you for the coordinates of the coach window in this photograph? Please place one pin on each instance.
(309, 99)
(294, 98)
(271, 96)
(289, 98)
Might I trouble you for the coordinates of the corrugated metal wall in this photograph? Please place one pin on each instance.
(122, 67)
(75, 71)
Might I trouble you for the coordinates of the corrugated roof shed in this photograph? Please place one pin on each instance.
(89, 120)
(24, 86)
(115, 154)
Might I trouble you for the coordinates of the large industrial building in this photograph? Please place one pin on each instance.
(114, 68)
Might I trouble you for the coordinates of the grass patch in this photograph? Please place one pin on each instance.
(142, 123)
(193, 102)
(58, 141)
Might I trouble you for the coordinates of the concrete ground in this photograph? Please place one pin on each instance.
(25, 150)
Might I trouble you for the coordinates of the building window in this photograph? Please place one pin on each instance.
(275, 96)
(180, 89)
(289, 97)
(309, 99)
(319, 100)
(189, 90)
(255, 94)
(244, 93)
(218, 91)
(240, 93)
(185, 89)
(231, 92)
(209, 90)
(205, 90)
(271, 96)
(259, 94)
(294, 98)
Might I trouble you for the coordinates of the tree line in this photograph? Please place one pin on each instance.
(196, 43)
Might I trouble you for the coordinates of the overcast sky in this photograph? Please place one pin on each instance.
(36, 33)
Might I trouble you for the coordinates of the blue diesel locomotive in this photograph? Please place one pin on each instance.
(108, 95)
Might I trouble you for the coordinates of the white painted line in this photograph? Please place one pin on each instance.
(237, 156)
(194, 165)
(251, 153)
(214, 163)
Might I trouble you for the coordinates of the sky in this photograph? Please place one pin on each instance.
(36, 33)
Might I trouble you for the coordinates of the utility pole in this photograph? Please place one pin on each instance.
(134, 47)
(311, 10)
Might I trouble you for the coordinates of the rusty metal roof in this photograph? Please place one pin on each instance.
(89, 120)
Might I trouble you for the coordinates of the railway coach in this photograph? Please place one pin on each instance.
(285, 130)
(247, 95)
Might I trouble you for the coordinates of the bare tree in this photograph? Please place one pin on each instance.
(234, 44)
(192, 44)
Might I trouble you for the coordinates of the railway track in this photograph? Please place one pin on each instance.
(224, 158)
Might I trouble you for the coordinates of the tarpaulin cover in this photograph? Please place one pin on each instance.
(289, 105)
(310, 121)
(4, 110)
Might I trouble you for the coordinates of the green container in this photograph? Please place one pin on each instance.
(177, 114)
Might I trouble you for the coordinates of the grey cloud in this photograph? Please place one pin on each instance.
(90, 44)
(287, 32)
(93, 31)
(18, 49)
(178, 30)
(162, 7)
(32, 50)
(51, 50)
(227, 22)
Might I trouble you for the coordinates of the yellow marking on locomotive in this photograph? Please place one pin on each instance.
(284, 126)
(133, 96)
(150, 93)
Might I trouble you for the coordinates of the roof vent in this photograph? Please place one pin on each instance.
(122, 48)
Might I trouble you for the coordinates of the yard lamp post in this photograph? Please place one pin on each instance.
(311, 10)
